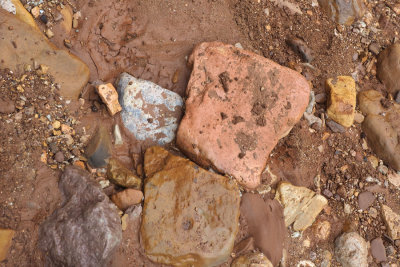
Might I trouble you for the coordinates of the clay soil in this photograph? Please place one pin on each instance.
(152, 40)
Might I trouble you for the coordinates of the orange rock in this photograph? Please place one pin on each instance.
(239, 105)
(80, 164)
(6, 236)
(127, 198)
(109, 96)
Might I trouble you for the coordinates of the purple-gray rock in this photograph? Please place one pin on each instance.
(86, 229)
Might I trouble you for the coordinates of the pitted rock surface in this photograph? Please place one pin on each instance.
(239, 105)
(149, 111)
(86, 229)
(190, 215)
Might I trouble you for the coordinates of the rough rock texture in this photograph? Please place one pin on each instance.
(127, 198)
(86, 229)
(388, 68)
(392, 221)
(120, 175)
(239, 105)
(394, 178)
(369, 102)
(266, 225)
(351, 250)
(253, 259)
(190, 215)
(99, 148)
(365, 200)
(6, 236)
(109, 96)
(30, 44)
(342, 99)
(301, 205)
(343, 11)
(378, 250)
(149, 111)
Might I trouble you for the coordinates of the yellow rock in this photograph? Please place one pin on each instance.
(23, 14)
(67, 19)
(6, 236)
(342, 100)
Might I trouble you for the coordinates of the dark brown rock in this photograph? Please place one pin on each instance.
(59, 157)
(365, 200)
(99, 148)
(378, 250)
(388, 68)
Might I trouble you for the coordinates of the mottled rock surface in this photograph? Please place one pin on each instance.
(86, 229)
(388, 68)
(239, 105)
(149, 111)
(122, 176)
(266, 225)
(6, 236)
(109, 96)
(351, 250)
(301, 205)
(392, 221)
(190, 215)
(343, 11)
(252, 259)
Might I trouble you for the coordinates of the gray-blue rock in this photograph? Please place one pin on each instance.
(149, 111)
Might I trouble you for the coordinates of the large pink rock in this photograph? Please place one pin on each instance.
(239, 105)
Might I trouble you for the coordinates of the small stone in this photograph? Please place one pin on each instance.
(370, 101)
(322, 229)
(65, 129)
(394, 178)
(374, 161)
(302, 48)
(43, 69)
(392, 221)
(129, 197)
(335, 127)
(311, 119)
(397, 99)
(6, 236)
(117, 135)
(67, 43)
(327, 257)
(351, 250)
(49, 33)
(59, 157)
(347, 208)
(109, 96)
(374, 48)
(35, 12)
(342, 100)
(305, 263)
(252, 259)
(124, 221)
(75, 23)
(378, 250)
(56, 125)
(99, 148)
(365, 200)
(358, 117)
(373, 213)
(388, 68)
(44, 18)
(120, 175)
(383, 169)
(320, 98)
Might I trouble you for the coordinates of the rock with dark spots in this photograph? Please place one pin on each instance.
(86, 229)
(122, 176)
(343, 11)
(252, 259)
(266, 225)
(365, 200)
(6, 106)
(99, 148)
(351, 250)
(269, 99)
(302, 48)
(388, 68)
(190, 215)
(378, 250)
(149, 111)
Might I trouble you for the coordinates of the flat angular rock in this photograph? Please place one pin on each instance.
(6, 236)
(109, 96)
(239, 105)
(86, 229)
(149, 111)
(378, 250)
(252, 259)
(190, 215)
(392, 221)
(98, 149)
(25, 44)
(342, 99)
(343, 11)
(388, 68)
(351, 250)
(301, 205)
(365, 200)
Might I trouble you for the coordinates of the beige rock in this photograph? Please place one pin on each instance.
(252, 259)
(322, 229)
(190, 215)
(358, 117)
(301, 205)
(370, 102)
(6, 236)
(66, 23)
(109, 96)
(127, 198)
(35, 11)
(392, 221)
(351, 250)
(388, 68)
(394, 178)
(49, 33)
(120, 175)
(342, 99)
(124, 221)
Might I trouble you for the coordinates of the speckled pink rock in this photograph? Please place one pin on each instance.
(238, 106)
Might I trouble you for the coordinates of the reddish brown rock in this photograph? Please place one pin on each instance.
(378, 250)
(365, 200)
(127, 198)
(239, 105)
(388, 68)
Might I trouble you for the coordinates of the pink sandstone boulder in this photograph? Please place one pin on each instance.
(238, 106)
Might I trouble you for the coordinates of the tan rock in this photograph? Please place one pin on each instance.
(252, 259)
(394, 178)
(66, 23)
(301, 205)
(370, 102)
(109, 96)
(127, 198)
(322, 229)
(392, 221)
(29, 44)
(388, 68)
(358, 117)
(190, 215)
(6, 236)
(120, 175)
(239, 105)
(23, 14)
(342, 99)
(35, 11)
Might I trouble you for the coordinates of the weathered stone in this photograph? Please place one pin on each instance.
(127, 198)
(343, 11)
(266, 225)
(86, 229)
(99, 148)
(370, 102)
(109, 96)
(149, 111)
(190, 215)
(335, 127)
(322, 229)
(388, 68)
(29, 44)
(358, 117)
(120, 175)
(378, 250)
(239, 105)
(351, 250)
(394, 178)
(365, 200)
(252, 259)
(392, 221)
(7, 106)
(342, 99)
(301, 205)
(6, 236)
